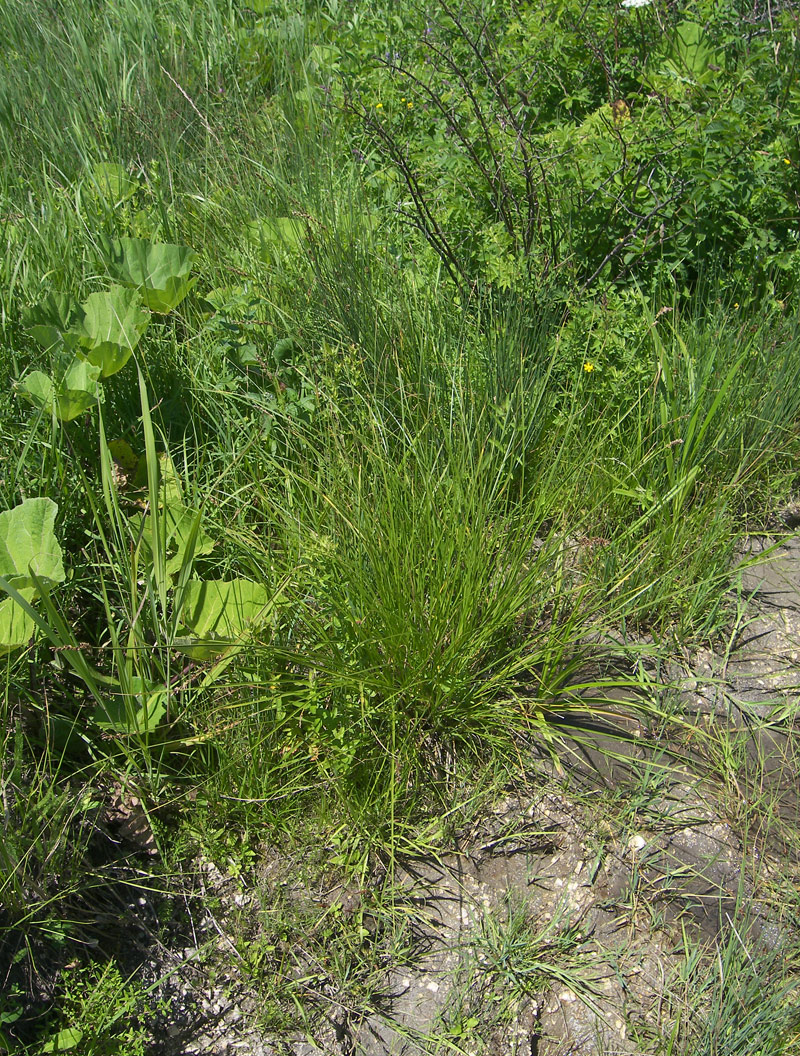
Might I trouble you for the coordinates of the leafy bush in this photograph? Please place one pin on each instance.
(535, 142)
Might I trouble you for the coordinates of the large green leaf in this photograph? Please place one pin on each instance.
(17, 627)
(111, 182)
(75, 394)
(691, 54)
(79, 389)
(112, 325)
(159, 271)
(28, 545)
(139, 710)
(227, 298)
(124, 456)
(170, 490)
(64, 1041)
(176, 524)
(275, 235)
(51, 318)
(217, 612)
(107, 326)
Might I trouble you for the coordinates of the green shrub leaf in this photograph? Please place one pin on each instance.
(112, 182)
(124, 455)
(276, 234)
(111, 328)
(77, 392)
(51, 318)
(140, 710)
(106, 327)
(176, 524)
(691, 54)
(217, 612)
(158, 270)
(28, 544)
(17, 627)
(65, 1040)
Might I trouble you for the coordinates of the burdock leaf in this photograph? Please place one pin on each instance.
(218, 612)
(111, 328)
(28, 545)
(17, 627)
(158, 270)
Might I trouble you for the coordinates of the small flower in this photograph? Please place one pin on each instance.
(736, 305)
(409, 106)
(787, 161)
(379, 106)
(588, 367)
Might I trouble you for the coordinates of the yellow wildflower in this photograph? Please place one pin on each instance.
(379, 106)
(787, 161)
(588, 367)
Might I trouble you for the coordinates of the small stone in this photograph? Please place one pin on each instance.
(637, 842)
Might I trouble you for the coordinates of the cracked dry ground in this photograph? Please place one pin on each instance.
(560, 922)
